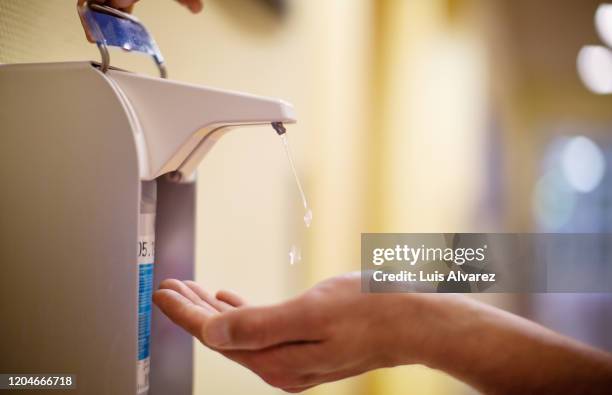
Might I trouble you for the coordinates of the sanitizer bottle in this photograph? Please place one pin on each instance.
(146, 258)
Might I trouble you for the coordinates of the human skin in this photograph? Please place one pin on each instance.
(334, 331)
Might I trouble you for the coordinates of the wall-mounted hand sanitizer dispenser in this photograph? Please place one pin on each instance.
(96, 206)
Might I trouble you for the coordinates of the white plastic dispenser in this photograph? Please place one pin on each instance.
(94, 165)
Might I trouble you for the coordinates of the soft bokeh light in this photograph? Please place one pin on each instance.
(583, 164)
(595, 68)
(553, 202)
(603, 23)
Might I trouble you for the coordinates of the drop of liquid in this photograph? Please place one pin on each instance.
(295, 255)
(308, 218)
(308, 213)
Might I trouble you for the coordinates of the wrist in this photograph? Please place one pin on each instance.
(438, 330)
(418, 328)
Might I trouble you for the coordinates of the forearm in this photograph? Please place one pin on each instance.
(500, 353)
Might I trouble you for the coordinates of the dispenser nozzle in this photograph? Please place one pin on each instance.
(279, 127)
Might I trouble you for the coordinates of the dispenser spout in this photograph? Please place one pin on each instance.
(178, 123)
(279, 127)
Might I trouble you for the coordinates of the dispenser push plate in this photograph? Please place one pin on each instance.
(110, 27)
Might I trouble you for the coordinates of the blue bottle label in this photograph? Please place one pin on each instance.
(146, 256)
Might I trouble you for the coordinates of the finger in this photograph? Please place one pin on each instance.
(231, 298)
(182, 311)
(253, 328)
(207, 297)
(187, 292)
(194, 6)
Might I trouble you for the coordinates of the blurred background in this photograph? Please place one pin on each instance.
(414, 116)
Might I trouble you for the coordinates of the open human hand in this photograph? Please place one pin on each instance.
(331, 332)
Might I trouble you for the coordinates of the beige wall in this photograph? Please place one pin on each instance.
(392, 99)
(250, 210)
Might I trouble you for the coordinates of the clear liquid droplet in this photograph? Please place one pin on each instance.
(295, 255)
(308, 213)
(308, 218)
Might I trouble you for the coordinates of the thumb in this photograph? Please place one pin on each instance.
(253, 328)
